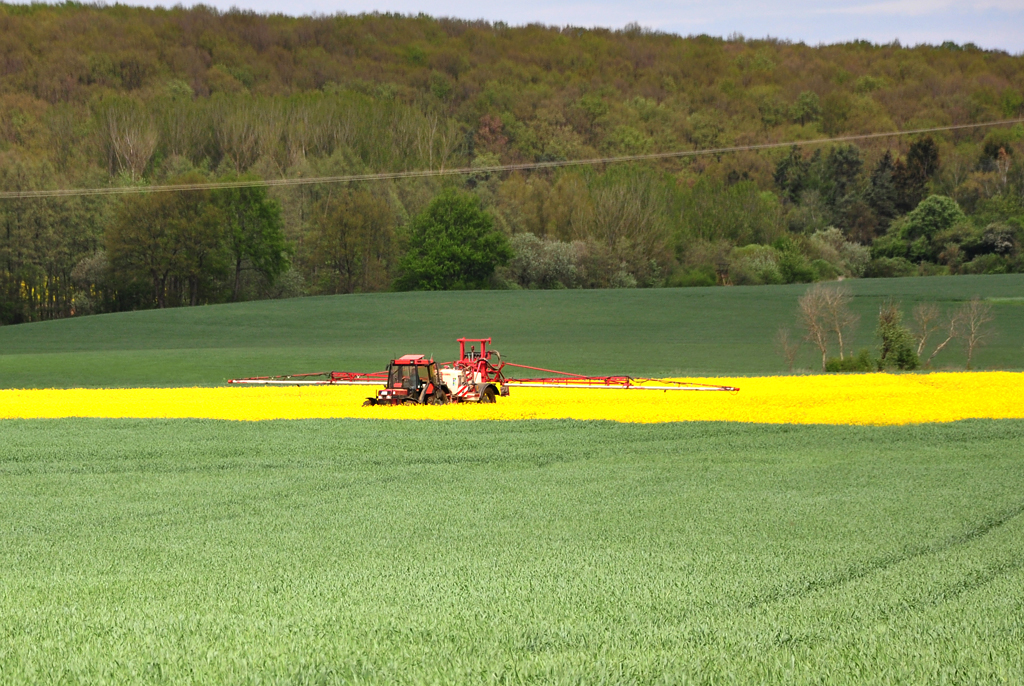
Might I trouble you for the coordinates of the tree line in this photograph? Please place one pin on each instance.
(96, 97)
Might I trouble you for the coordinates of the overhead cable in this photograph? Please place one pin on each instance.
(463, 171)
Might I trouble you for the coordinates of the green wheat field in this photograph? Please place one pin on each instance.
(533, 552)
(314, 552)
(662, 331)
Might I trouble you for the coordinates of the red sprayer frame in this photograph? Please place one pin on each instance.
(474, 362)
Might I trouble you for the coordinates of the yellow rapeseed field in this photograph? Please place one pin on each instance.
(848, 399)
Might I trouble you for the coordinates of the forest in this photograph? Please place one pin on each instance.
(124, 97)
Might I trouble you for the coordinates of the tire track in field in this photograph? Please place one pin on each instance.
(879, 564)
(970, 582)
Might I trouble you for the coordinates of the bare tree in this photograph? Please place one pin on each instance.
(975, 315)
(787, 346)
(813, 319)
(437, 140)
(130, 135)
(237, 131)
(952, 332)
(840, 318)
(270, 119)
(926, 322)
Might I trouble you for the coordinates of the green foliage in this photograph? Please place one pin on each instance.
(793, 265)
(690, 278)
(935, 214)
(452, 245)
(806, 109)
(861, 362)
(172, 241)
(315, 550)
(754, 264)
(539, 263)
(881, 195)
(156, 94)
(739, 213)
(790, 174)
(910, 177)
(255, 233)
(352, 246)
(897, 343)
(926, 232)
(840, 171)
(889, 267)
(190, 247)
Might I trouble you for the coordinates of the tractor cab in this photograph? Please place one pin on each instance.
(412, 379)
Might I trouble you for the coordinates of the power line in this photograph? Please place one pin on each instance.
(422, 173)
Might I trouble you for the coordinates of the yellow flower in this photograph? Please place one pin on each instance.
(845, 399)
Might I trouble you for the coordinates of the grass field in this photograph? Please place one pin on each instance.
(674, 332)
(320, 551)
(524, 552)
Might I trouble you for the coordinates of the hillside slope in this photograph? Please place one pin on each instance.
(94, 96)
(642, 331)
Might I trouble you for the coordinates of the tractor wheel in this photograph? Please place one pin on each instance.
(488, 396)
(369, 402)
(438, 398)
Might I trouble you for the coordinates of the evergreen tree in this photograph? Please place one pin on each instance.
(791, 175)
(842, 170)
(923, 158)
(881, 195)
(911, 177)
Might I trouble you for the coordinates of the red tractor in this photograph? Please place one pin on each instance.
(416, 380)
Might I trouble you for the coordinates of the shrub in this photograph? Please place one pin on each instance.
(889, 246)
(793, 268)
(861, 362)
(754, 265)
(933, 214)
(887, 267)
(542, 263)
(845, 257)
(897, 342)
(699, 276)
(986, 264)
(823, 271)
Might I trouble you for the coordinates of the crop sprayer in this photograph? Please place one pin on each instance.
(476, 377)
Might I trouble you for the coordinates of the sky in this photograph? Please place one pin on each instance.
(994, 24)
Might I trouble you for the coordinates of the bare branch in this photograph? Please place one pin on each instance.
(952, 331)
(837, 309)
(926, 322)
(813, 309)
(975, 315)
(787, 346)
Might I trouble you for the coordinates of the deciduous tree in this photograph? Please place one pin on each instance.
(254, 231)
(452, 244)
(353, 242)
